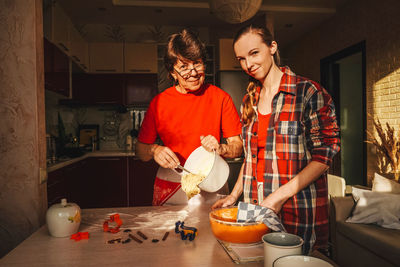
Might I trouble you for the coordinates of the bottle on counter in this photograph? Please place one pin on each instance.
(129, 143)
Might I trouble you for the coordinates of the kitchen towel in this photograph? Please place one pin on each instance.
(253, 213)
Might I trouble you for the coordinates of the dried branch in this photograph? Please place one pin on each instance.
(387, 145)
(115, 32)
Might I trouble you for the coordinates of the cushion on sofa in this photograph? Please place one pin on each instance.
(383, 184)
(376, 207)
(383, 242)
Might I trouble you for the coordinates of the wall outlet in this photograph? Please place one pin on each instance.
(42, 176)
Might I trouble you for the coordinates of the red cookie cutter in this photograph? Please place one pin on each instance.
(80, 235)
(113, 219)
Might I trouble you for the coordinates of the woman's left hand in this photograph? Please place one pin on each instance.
(209, 142)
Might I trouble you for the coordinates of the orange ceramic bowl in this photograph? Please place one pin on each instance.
(225, 228)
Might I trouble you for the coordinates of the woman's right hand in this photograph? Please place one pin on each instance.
(224, 202)
(165, 157)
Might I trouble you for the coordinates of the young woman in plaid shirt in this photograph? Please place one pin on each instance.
(290, 136)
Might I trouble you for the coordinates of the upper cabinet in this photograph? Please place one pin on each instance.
(56, 69)
(57, 26)
(140, 88)
(123, 58)
(79, 50)
(227, 59)
(210, 65)
(59, 30)
(140, 58)
(98, 89)
(106, 57)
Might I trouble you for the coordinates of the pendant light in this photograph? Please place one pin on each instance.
(234, 11)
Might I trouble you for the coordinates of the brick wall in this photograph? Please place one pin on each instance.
(377, 23)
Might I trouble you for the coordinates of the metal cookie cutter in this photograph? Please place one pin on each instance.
(186, 231)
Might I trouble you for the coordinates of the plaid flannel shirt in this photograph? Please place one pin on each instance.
(302, 129)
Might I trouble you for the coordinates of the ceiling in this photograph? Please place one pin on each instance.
(291, 18)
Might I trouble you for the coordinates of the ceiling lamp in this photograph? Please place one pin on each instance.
(234, 11)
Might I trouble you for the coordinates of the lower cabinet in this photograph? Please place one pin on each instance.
(66, 183)
(141, 181)
(57, 187)
(103, 182)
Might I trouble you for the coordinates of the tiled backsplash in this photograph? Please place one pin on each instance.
(114, 126)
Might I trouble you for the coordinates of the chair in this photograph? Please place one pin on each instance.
(336, 186)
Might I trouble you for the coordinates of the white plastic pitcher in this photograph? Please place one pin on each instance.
(210, 164)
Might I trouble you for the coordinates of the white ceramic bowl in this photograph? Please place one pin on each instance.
(210, 164)
(279, 244)
(300, 261)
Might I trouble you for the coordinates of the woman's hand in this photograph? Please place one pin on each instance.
(165, 157)
(210, 143)
(308, 175)
(224, 202)
(273, 202)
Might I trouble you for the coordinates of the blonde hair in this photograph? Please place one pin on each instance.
(248, 112)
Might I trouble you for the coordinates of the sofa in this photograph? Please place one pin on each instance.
(357, 244)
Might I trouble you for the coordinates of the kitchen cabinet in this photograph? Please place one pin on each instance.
(57, 26)
(98, 89)
(141, 181)
(103, 182)
(140, 88)
(114, 89)
(56, 66)
(60, 31)
(227, 58)
(79, 49)
(106, 57)
(106, 183)
(210, 65)
(140, 58)
(66, 183)
(57, 187)
(77, 175)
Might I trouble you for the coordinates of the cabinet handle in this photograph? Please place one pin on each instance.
(115, 159)
(237, 67)
(139, 70)
(76, 58)
(63, 46)
(106, 70)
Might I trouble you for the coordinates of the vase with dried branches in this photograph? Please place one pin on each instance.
(387, 144)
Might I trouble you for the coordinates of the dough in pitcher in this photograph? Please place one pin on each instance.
(189, 184)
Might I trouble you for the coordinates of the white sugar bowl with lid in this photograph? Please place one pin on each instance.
(63, 219)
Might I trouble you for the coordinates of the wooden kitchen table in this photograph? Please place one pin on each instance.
(40, 249)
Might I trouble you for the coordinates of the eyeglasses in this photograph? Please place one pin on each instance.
(185, 72)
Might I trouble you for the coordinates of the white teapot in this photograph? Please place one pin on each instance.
(63, 219)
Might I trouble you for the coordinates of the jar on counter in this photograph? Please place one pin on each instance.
(63, 219)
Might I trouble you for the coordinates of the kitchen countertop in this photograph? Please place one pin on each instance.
(108, 153)
(40, 249)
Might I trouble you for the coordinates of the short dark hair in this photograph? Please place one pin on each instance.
(183, 45)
